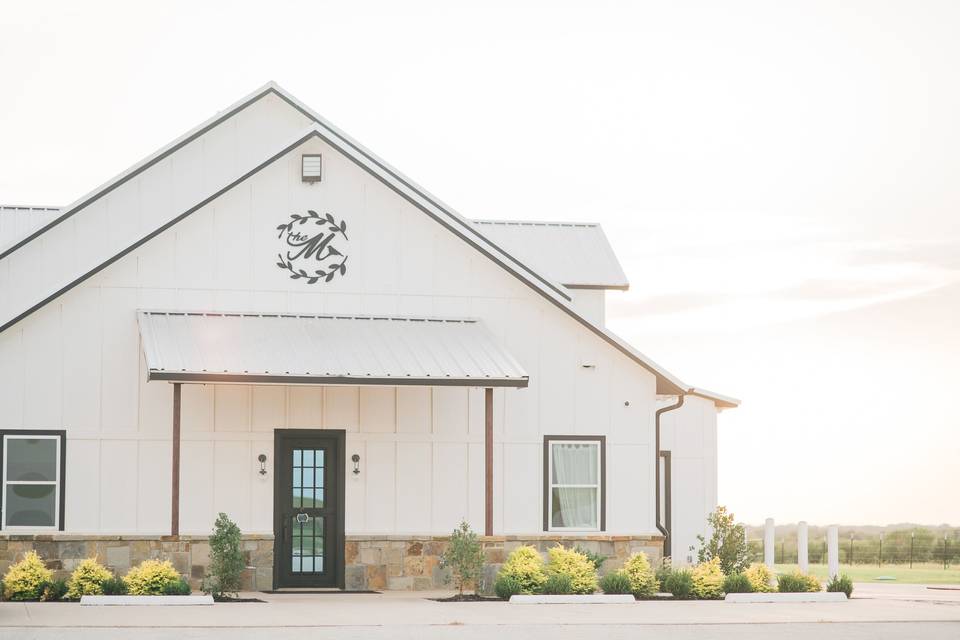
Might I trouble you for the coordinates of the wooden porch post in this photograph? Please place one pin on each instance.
(488, 460)
(175, 479)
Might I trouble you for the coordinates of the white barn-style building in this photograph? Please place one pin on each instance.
(265, 319)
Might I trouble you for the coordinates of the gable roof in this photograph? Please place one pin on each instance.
(414, 194)
(550, 247)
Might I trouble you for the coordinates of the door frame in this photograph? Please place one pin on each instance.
(339, 438)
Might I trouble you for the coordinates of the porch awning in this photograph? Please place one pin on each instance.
(182, 346)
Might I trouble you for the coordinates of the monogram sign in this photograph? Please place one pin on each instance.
(309, 247)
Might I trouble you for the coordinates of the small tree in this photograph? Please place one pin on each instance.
(226, 558)
(464, 556)
(728, 543)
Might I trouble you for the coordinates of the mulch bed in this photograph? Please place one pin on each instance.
(468, 598)
(319, 591)
(226, 600)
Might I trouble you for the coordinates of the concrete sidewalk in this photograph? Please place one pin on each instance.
(903, 609)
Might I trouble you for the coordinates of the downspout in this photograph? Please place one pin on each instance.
(656, 471)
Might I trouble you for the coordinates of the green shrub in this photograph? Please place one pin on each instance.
(679, 582)
(841, 582)
(663, 572)
(150, 578)
(525, 565)
(708, 580)
(226, 558)
(114, 586)
(760, 577)
(616, 582)
(558, 584)
(583, 577)
(728, 543)
(506, 586)
(54, 591)
(179, 588)
(596, 558)
(26, 579)
(796, 582)
(737, 583)
(87, 579)
(643, 581)
(464, 556)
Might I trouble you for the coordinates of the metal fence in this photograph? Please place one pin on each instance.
(900, 550)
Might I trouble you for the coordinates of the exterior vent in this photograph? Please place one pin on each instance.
(311, 167)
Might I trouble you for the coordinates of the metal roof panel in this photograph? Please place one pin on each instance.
(184, 346)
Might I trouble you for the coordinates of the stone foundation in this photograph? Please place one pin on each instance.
(190, 555)
(413, 562)
(372, 563)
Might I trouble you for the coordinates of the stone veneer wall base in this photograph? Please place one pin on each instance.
(397, 562)
(190, 555)
(373, 563)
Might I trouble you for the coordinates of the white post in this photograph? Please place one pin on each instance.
(802, 547)
(833, 551)
(768, 543)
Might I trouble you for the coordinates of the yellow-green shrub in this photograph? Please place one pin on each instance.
(87, 579)
(150, 578)
(760, 577)
(796, 582)
(708, 580)
(572, 563)
(643, 580)
(26, 579)
(524, 566)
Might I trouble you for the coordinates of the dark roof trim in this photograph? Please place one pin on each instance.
(470, 237)
(390, 381)
(668, 385)
(67, 213)
(466, 224)
(156, 232)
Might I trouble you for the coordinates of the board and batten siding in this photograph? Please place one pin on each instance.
(77, 364)
(690, 434)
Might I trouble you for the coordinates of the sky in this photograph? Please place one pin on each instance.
(779, 180)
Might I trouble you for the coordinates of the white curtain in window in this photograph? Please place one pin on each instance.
(575, 464)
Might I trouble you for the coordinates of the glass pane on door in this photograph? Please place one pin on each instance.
(307, 481)
(307, 543)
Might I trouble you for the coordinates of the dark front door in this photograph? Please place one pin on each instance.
(308, 508)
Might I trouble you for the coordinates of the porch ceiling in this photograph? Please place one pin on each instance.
(186, 346)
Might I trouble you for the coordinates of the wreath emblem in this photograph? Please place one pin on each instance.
(308, 250)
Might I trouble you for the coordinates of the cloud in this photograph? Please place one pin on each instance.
(765, 285)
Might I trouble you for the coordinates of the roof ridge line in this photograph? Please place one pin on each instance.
(553, 294)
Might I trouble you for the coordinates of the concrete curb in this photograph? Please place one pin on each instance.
(595, 598)
(152, 601)
(816, 596)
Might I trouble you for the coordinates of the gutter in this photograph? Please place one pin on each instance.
(656, 472)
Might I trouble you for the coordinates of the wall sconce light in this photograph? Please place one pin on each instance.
(356, 463)
(263, 464)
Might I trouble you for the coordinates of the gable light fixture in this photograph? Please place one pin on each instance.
(311, 165)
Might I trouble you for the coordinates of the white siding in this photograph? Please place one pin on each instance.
(690, 434)
(76, 364)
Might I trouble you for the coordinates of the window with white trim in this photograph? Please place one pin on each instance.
(32, 488)
(574, 483)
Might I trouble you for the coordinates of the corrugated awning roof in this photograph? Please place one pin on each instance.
(324, 349)
(575, 254)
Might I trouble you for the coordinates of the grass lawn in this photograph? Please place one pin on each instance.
(919, 574)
